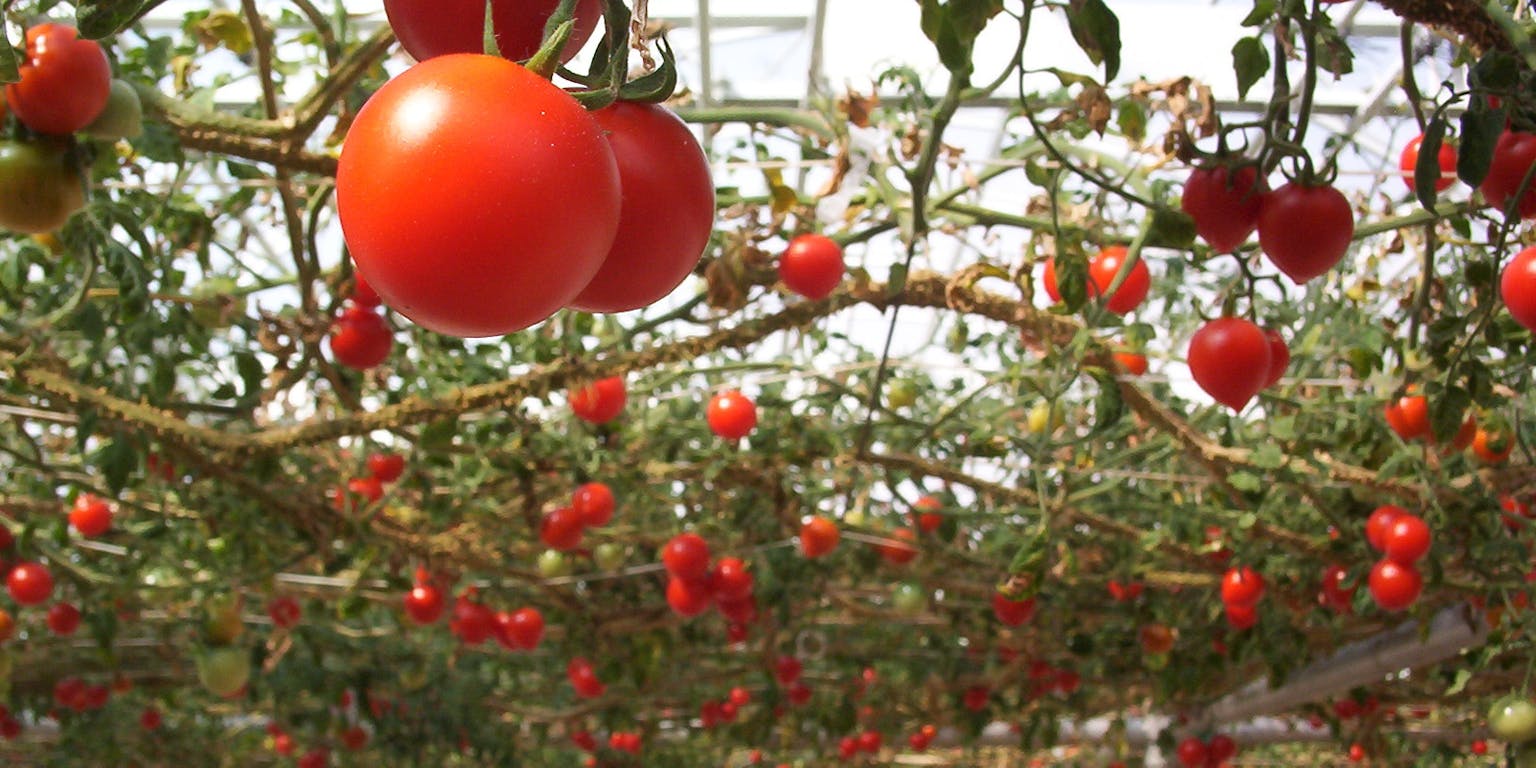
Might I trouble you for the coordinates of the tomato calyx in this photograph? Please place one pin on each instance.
(607, 80)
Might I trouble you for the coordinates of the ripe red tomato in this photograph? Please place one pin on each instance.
(561, 529)
(282, 743)
(686, 556)
(1012, 612)
(65, 81)
(285, 611)
(1224, 202)
(510, 189)
(1242, 617)
(1124, 593)
(386, 467)
(39, 188)
(424, 604)
(1221, 748)
(1379, 523)
(354, 738)
(91, 516)
(1305, 230)
(360, 338)
(368, 489)
(869, 741)
(928, 521)
(149, 719)
(1517, 285)
(732, 581)
(738, 611)
(1409, 417)
(667, 214)
(29, 583)
(1192, 753)
(898, 551)
(1132, 363)
(731, 415)
(1335, 592)
(1101, 275)
(1230, 359)
(1406, 540)
(1513, 155)
(1242, 586)
(520, 630)
(818, 536)
(594, 503)
(1394, 586)
(1479, 747)
(584, 678)
(363, 294)
(316, 757)
(599, 402)
(787, 669)
(1279, 357)
(472, 623)
(976, 697)
(689, 597)
(1492, 447)
(812, 266)
(429, 28)
(63, 619)
(1409, 160)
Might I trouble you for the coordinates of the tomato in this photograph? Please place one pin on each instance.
(521, 629)
(285, 612)
(1132, 363)
(909, 598)
(1513, 155)
(1379, 523)
(787, 669)
(510, 189)
(1242, 587)
(668, 209)
(472, 623)
(818, 536)
(918, 742)
(552, 564)
(65, 81)
(928, 521)
(1192, 753)
(1492, 447)
(1394, 586)
(368, 489)
(1409, 417)
(812, 266)
(150, 719)
(1012, 612)
(1517, 285)
(428, 28)
(847, 748)
(686, 556)
(354, 738)
(316, 757)
(1513, 719)
(731, 415)
(584, 678)
(7, 625)
(63, 619)
(1335, 592)
(91, 516)
(360, 338)
(1409, 160)
(594, 503)
(121, 118)
(1305, 230)
(688, 597)
(1478, 747)
(561, 529)
(1242, 617)
(599, 402)
(976, 697)
(386, 467)
(39, 189)
(1224, 201)
(1279, 357)
(29, 583)
(900, 393)
(1156, 638)
(1102, 269)
(1406, 540)
(741, 610)
(363, 294)
(224, 671)
(1229, 358)
(1357, 753)
(869, 741)
(898, 551)
(1125, 593)
(732, 580)
(424, 603)
(282, 743)
(1220, 748)
(608, 556)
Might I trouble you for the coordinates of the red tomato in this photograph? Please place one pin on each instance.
(1101, 275)
(689, 598)
(65, 81)
(7, 625)
(1132, 363)
(869, 741)
(1305, 230)
(584, 678)
(1221, 747)
(354, 738)
(150, 719)
(1192, 753)
(1224, 202)
(732, 580)
(668, 208)
(1335, 592)
(1517, 285)
(29, 583)
(1279, 357)
(1242, 617)
(363, 294)
(1409, 417)
(429, 28)
(472, 623)
(898, 551)
(508, 184)
(686, 556)
(599, 402)
(976, 697)
(1409, 160)
(928, 521)
(594, 503)
(739, 611)
(918, 742)
(561, 529)
(520, 630)
(787, 669)
(285, 611)
(91, 516)
(812, 266)
(1394, 586)
(1012, 612)
(1230, 359)
(847, 748)
(1156, 638)
(317, 757)
(282, 743)
(818, 536)
(424, 604)
(1406, 540)
(386, 467)
(1379, 523)
(360, 338)
(63, 619)
(731, 415)
(1513, 156)
(740, 696)
(367, 488)
(1492, 447)
(1242, 587)
(1124, 593)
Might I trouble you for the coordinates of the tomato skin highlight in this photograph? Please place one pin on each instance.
(1517, 287)
(1305, 231)
(428, 28)
(1224, 201)
(65, 81)
(476, 197)
(668, 209)
(1230, 359)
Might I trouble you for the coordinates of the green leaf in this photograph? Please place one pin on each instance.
(101, 18)
(1250, 61)
(1072, 277)
(1108, 406)
(1246, 482)
(1426, 171)
(1480, 130)
(1097, 31)
(1132, 121)
(9, 60)
(1268, 456)
(1170, 228)
(117, 461)
(1463, 676)
(1263, 11)
(1496, 71)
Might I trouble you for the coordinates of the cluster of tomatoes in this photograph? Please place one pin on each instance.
(1194, 753)
(472, 622)
(1304, 228)
(1241, 590)
(1403, 538)
(383, 469)
(591, 506)
(360, 338)
(693, 584)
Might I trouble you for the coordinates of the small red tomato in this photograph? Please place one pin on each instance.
(1492, 446)
(1279, 357)
(91, 516)
(386, 467)
(30, 583)
(1513, 156)
(1356, 753)
(424, 604)
(1224, 202)
(1406, 540)
(1305, 230)
(976, 697)
(732, 581)
(689, 598)
(1012, 612)
(898, 550)
(150, 719)
(65, 81)
(1230, 359)
(1409, 417)
(363, 294)
(63, 619)
(869, 741)
(686, 556)
(561, 529)
(731, 415)
(317, 757)
(1408, 161)
(472, 622)
(1192, 753)
(367, 488)
(1394, 586)
(599, 402)
(1133, 363)
(928, 518)
(584, 678)
(818, 536)
(1220, 748)
(284, 611)
(787, 669)
(1242, 587)
(1242, 617)
(1102, 270)
(360, 338)
(520, 630)
(742, 611)
(594, 503)
(1517, 283)
(812, 266)
(1379, 523)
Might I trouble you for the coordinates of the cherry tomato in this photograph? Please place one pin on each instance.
(1102, 269)
(510, 189)
(1305, 230)
(1408, 416)
(1224, 202)
(731, 415)
(584, 678)
(363, 294)
(63, 619)
(1132, 363)
(386, 467)
(928, 521)
(1242, 617)
(818, 536)
(731, 579)
(1513, 719)
(1409, 160)
(1394, 586)
(1517, 285)
(285, 612)
(428, 28)
(29, 583)
(1336, 593)
(1192, 753)
(1379, 523)
(39, 190)
(7, 625)
(1012, 612)
(1156, 638)
(976, 697)
(1242, 587)
(360, 338)
(472, 622)
(424, 604)
(686, 556)
(599, 402)
(224, 671)
(91, 516)
(1279, 357)
(787, 669)
(898, 551)
(689, 598)
(1406, 540)
(1230, 359)
(668, 208)
(1513, 156)
(561, 529)
(520, 630)
(1221, 747)
(316, 757)
(150, 719)
(594, 503)
(741, 611)
(812, 266)
(65, 81)
(1492, 447)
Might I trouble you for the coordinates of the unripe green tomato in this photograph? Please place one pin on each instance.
(223, 624)
(224, 671)
(1513, 719)
(900, 393)
(908, 598)
(39, 188)
(122, 118)
(608, 556)
(553, 564)
(854, 517)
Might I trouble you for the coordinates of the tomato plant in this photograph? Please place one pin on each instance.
(428, 28)
(812, 266)
(65, 81)
(1224, 201)
(1305, 229)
